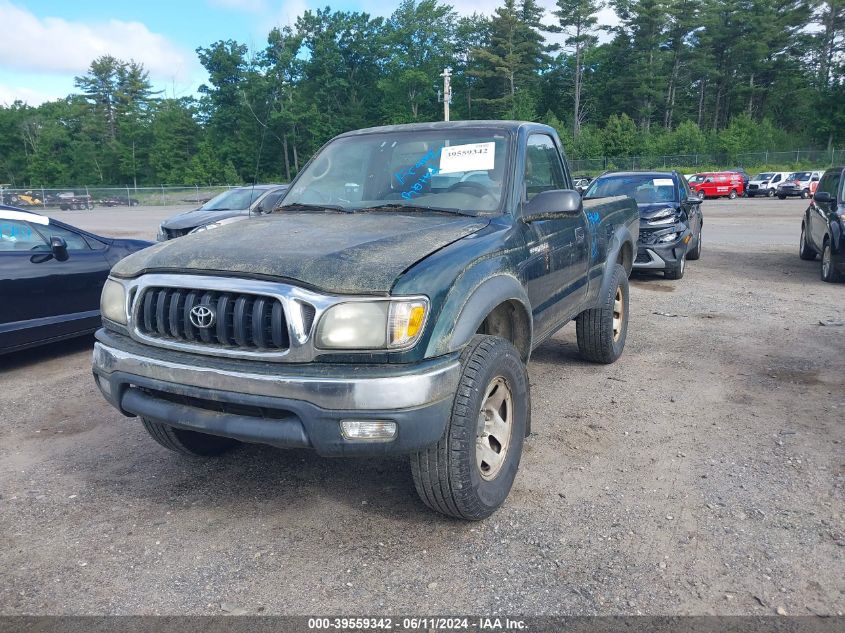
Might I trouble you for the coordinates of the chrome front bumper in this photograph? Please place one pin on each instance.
(286, 405)
(355, 391)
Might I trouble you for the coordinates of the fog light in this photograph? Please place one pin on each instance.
(104, 385)
(368, 430)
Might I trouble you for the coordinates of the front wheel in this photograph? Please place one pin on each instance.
(805, 194)
(677, 272)
(188, 442)
(696, 252)
(781, 196)
(469, 472)
(804, 250)
(601, 331)
(770, 193)
(829, 272)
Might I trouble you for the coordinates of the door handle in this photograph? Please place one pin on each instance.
(579, 234)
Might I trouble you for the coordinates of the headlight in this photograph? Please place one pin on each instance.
(205, 227)
(663, 216)
(372, 324)
(161, 236)
(113, 302)
(670, 237)
(217, 224)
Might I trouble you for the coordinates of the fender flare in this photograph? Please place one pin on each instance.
(617, 241)
(490, 293)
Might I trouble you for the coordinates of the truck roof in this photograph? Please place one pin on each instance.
(509, 126)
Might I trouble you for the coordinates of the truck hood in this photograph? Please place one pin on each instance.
(340, 253)
(198, 217)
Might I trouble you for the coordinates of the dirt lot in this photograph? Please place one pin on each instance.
(704, 473)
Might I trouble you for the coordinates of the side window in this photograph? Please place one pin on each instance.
(824, 183)
(543, 167)
(833, 187)
(776, 178)
(75, 242)
(19, 236)
(269, 203)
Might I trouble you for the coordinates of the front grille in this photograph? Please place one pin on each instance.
(752, 187)
(173, 233)
(242, 321)
(642, 258)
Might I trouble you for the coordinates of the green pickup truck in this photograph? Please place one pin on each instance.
(389, 304)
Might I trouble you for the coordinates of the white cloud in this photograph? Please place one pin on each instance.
(56, 45)
(10, 94)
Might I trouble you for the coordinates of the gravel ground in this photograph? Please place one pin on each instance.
(703, 473)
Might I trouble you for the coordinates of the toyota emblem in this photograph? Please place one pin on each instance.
(202, 316)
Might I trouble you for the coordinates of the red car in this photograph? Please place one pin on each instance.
(718, 184)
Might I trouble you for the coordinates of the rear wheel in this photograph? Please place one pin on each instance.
(188, 442)
(804, 250)
(732, 194)
(601, 331)
(469, 472)
(829, 272)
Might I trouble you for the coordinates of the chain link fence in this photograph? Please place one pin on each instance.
(85, 197)
(793, 158)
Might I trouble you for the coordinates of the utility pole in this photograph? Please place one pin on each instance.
(447, 91)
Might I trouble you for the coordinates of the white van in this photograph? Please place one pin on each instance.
(766, 184)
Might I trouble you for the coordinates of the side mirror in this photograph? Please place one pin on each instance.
(822, 196)
(552, 203)
(59, 248)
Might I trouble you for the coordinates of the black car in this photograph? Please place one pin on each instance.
(51, 276)
(670, 217)
(823, 226)
(230, 206)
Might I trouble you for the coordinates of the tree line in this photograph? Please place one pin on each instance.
(671, 77)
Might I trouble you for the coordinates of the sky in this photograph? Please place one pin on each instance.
(46, 43)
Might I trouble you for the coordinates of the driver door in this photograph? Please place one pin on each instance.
(556, 269)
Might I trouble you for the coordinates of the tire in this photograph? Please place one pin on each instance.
(781, 196)
(750, 195)
(805, 251)
(678, 271)
(805, 194)
(828, 272)
(452, 477)
(601, 331)
(770, 193)
(696, 253)
(188, 442)
(732, 194)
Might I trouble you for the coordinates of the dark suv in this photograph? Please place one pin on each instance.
(823, 226)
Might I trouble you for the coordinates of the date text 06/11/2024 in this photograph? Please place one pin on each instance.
(415, 624)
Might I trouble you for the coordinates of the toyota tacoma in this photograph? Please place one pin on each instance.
(390, 306)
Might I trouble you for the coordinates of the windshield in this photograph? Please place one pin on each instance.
(459, 170)
(764, 176)
(643, 188)
(800, 175)
(233, 199)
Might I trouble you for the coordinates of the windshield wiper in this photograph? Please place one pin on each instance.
(302, 206)
(414, 207)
